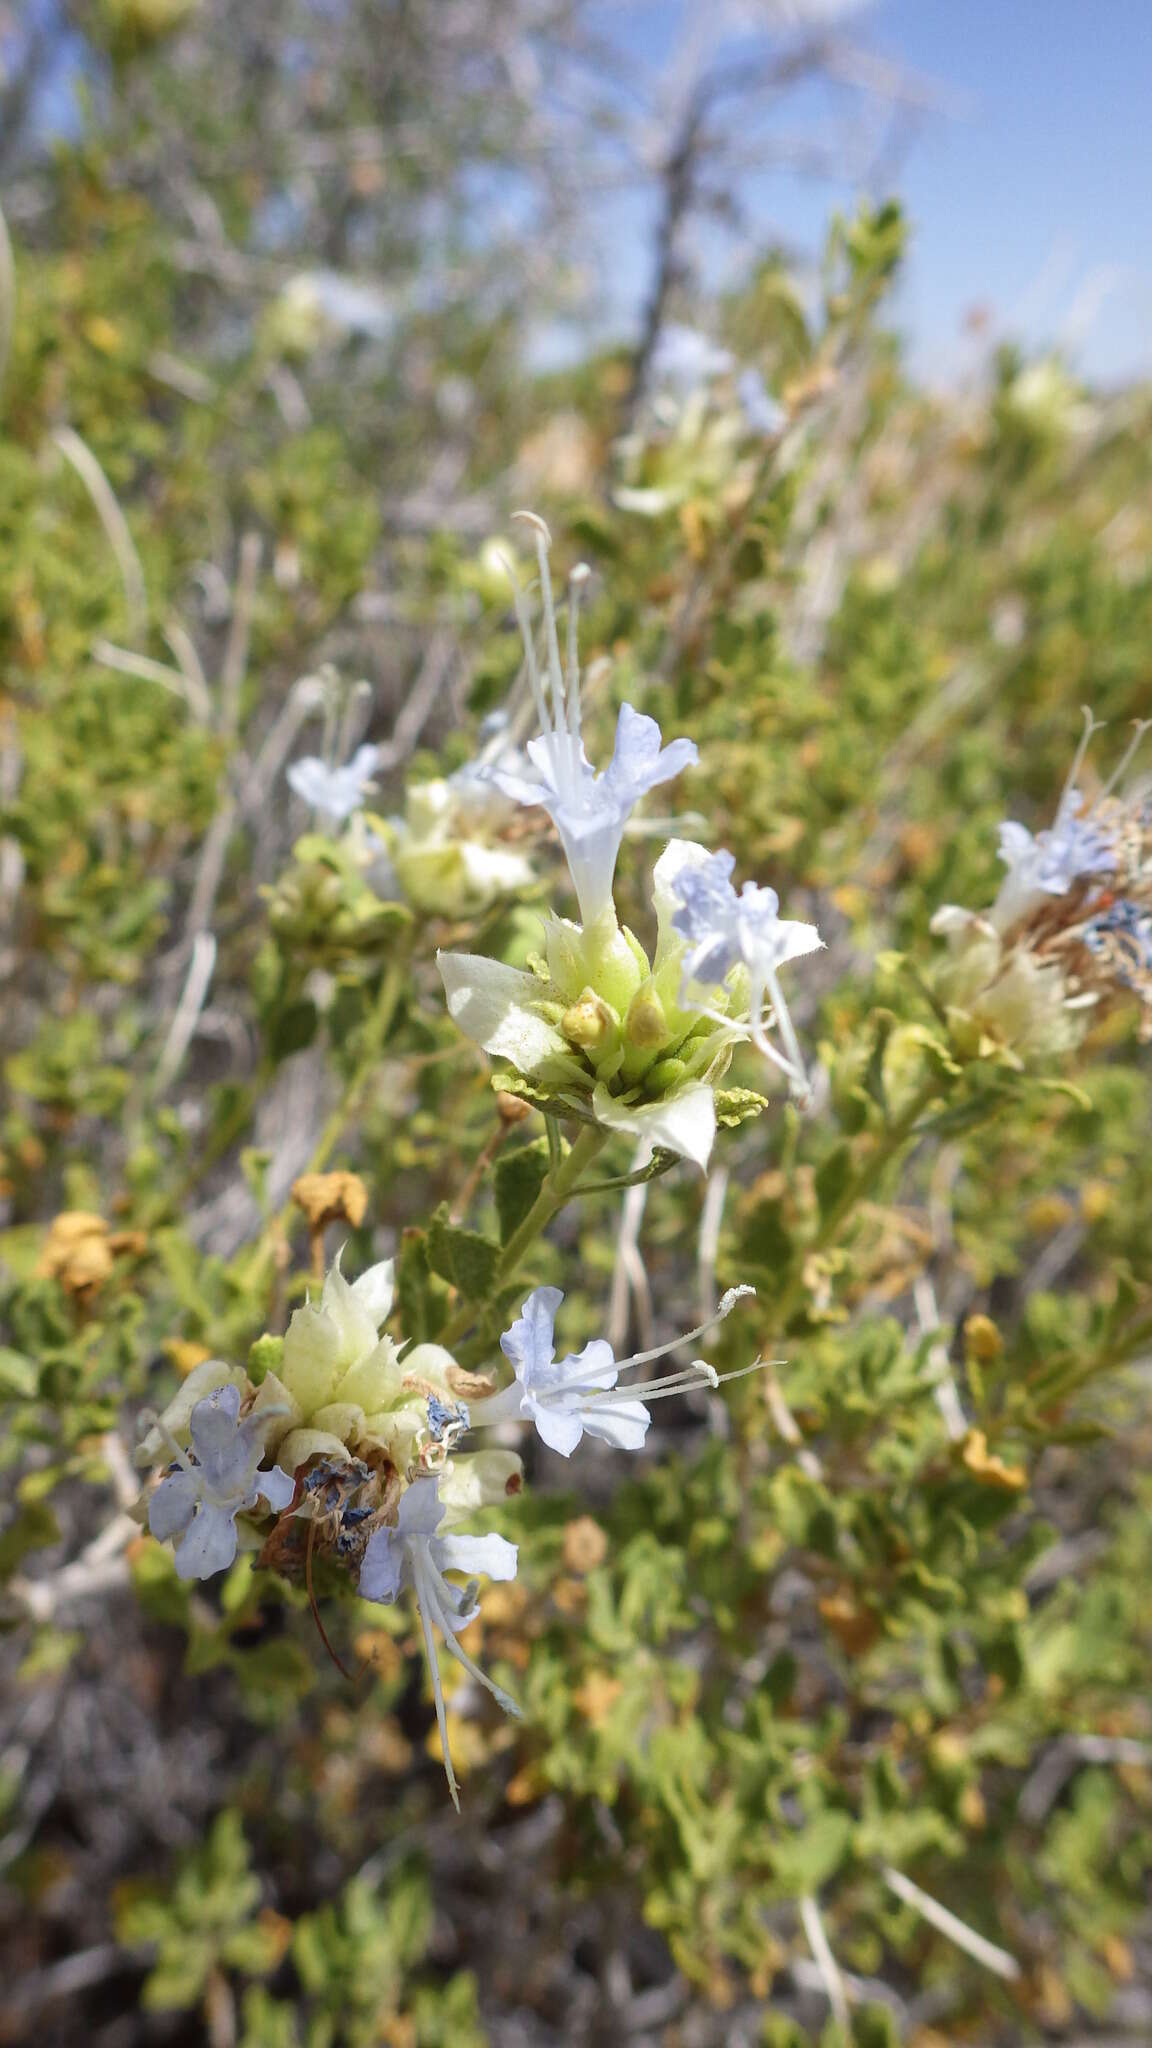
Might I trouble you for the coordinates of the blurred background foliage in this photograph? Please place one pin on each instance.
(266, 406)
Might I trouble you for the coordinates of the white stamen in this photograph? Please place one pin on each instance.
(727, 1304)
(1091, 725)
(787, 1031)
(548, 601)
(1142, 725)
(576, 582)
(425, 1605)
(698, 1374)
(526, 635)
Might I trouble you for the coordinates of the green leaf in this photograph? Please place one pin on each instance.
(420, 1297)
(463, 1257)
(833, 1175)
(805, 1861)
(519, 1177)
(18, 1375)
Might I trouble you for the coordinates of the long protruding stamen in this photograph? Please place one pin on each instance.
(787, 1029)
(1091, 725)
(1142, 725)
(526, 635)
(548, 602)
(727, 1304)
(474, 1670)
(425, 1606)
(698, 1374)
(576, 582)
(765, 1047)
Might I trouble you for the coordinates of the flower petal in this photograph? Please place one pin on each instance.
(421, 1511)
(529, 1344)
(478, 1479)
(375, 1290)
(277, 1488)
(492, 1556)
(313, 1358)
(560, 1428)
(205, 1378)
(684, 1122)
(680, 857)
(490, 1003)
(217, 1441)
(382, 1569)
(209, 1545)
(594, 1367)
(623, 1424)
(173, 1505)
(301, 1444)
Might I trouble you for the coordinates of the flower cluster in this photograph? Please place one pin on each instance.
(366, 1438)
(1070, 931)
(594, 1027)
(450, 851)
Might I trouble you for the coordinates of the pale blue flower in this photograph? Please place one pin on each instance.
(723, 931)
(575, 1396)
(589, 811)
(335, 792)
(1050, 862)
(763, 414)
(415, 1554)
(684, 359)
(198, 1503)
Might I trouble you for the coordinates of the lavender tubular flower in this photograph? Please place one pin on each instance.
(724, 931)
(575, 1396)
(413, 1553)
(589, 810)
(335, 792)
(197, 1504)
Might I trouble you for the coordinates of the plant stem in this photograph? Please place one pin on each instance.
(558, 1187)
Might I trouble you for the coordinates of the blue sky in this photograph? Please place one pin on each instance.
(1029, 197)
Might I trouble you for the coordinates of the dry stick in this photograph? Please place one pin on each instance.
(420, 701)
(1059, 1762)
(708, 1242)
(629, 1274)
(100, 1568)
(192, 1000)
(304, 699)
(112, 519)
(126, 663)
(826, 1963)
(944, 1386)
(787, 1425)
(191, 668)
(938, 1916)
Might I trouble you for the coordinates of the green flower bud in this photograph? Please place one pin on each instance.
(646, 1024)
(266, 1355)
(666, 1074)
(589, 1022)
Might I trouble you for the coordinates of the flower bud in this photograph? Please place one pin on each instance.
(646, 1024)
(588, 1022)
(664, 1076)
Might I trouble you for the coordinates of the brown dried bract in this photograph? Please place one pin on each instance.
(331, 1198)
